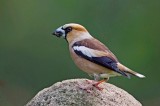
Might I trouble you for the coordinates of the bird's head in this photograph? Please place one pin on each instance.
(72, 32)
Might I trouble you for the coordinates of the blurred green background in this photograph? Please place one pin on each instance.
(32, 59)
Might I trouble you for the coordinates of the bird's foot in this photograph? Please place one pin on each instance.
(90, 85)
(99, 88)
(97, 83)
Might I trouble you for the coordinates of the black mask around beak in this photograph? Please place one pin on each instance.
(59, 32)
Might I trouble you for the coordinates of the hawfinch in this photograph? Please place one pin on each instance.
(92, 56)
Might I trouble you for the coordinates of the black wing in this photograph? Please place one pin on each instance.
(103, 61)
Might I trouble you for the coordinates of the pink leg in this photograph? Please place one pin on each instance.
(99, 82)
(92, 84)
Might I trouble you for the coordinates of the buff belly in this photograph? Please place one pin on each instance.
(92, 68)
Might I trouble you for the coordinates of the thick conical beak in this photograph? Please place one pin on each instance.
(59, 32)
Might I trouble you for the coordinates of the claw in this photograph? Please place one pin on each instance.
(99, 88)
(99, 82)
(91, 84)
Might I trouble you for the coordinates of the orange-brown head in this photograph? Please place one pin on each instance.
(72, 32)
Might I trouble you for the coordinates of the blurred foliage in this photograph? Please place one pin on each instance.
(32, 59)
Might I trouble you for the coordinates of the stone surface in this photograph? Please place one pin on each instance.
(69, 93)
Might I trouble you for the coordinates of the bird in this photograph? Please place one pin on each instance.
(92, 56)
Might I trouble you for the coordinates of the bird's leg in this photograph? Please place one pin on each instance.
(95, 83)
(89, 86)
(99, 82)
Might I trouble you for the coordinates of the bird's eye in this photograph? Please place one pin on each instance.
(68, 29)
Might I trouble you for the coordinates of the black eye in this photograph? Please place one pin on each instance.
(68, 29)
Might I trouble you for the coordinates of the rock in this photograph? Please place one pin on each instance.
(69, 93)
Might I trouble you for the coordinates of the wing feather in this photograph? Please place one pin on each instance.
(98, 57)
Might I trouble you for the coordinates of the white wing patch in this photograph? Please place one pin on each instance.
(140, 75)
(86, 51)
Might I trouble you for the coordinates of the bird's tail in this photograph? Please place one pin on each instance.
(129, 71)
